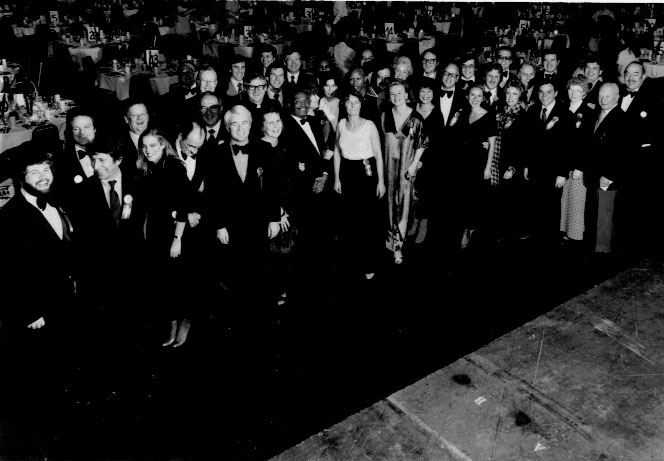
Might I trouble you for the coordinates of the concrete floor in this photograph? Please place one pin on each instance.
(342, 344)
(581, 382)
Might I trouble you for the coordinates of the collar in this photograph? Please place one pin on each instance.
(288, 76)
(216, 128)
(31, 199)
(117, 178)
(235, 82)
(431, 75)
(606, 112)
(299, 120)
(134, 137)
(550, 107)
(493, 92)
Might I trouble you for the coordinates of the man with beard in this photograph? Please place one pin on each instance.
(39, 293)
(73, 164)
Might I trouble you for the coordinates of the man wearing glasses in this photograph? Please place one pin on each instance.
(468, 66)
(504, 58)
(254, 99)
(430, 64)
(451, 98)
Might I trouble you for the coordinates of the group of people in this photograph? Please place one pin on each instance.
(248, 185)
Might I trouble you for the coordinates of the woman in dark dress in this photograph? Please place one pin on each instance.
(425, 185)
(477, 137)
(162, 199)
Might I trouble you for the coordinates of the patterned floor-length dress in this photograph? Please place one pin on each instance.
(401, 144)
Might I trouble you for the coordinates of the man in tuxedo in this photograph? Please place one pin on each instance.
(593, 73)
(295, 78)
(468, 66)
(39, 299)
(504, 58)
(527, 78)
(73, 163)
(312, 192)
(235, 84)
(255, 100)
(276, 75)
(137, 119)
(210, 109)
(643, 103)
(546, 164)
(551, 64)
(493, 96)
(452, 99)
(185, 88)
(243, 204)
(604, 171)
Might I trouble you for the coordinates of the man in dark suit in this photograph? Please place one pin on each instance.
(604, 169)
(210, 110)
(235, 83)
(452, 99)
(276, 76)
(367, 96)
(39, 297)
(504, 58)
(137, 120)
(592, 70)
(546, 164)
(310, 167)
(526, 76)
(295, 78)
(643, 103)
(244, 207)
(73, 164)
(493, 96)
(256, 101)
(468, 67)
(268, 56)
(550, 72)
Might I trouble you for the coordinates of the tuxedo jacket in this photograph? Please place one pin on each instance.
(289, 89)
(645, 115)
(459, 102)
(40, 270)
(548, 154)
(592, 97)
(68, 175)
(607, 149)
(300, 149)
(130, 153)
(244, 208)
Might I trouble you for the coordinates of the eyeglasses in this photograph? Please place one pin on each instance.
(504, 58)
(256, 87)
(215, 108)
(450, 74)
(429, 61)
(210, 82)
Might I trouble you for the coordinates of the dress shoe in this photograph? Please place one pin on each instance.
(183, 331)
(174, 330)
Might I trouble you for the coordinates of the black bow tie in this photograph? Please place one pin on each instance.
(630, 93)
(304, 121)
(550, 75)
(81, 153)
(506, 73)
(191, 156)
(42, 202)
(447, 93)
(238, 149)
(487, 95)
(191, 91)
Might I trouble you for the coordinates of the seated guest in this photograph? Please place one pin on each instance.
(268, 56)
(276, 75)
(254, 99)
(430, 64)
(235, 85)
(526, 76)
(468, 67)
(294, 75)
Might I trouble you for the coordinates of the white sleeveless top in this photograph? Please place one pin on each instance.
(355, 145)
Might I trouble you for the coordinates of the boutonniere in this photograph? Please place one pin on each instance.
(508, 123)
(126, 207)
(259, 172)
(579, 116)
(455, 118)
(78, 179)
(591, 105)
(643, 114)
(553, 121)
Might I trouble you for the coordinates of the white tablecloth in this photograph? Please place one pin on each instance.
(79, 52)
(654, 70)
(119, 84)
(21, 135)
(211, 48)
(423, 45)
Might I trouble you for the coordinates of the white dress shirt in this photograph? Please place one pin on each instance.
(189, 162)
(627, 101)
(307, 129)
(107, 188)
(49, 212)
(85, 162)
(446, 106)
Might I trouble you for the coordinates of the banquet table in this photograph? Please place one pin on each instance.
(118, 83)
(10, 72)
(302, 27)
(654, 70)
(211, 48)
(19, 135)
(423, 44)
(95, 49)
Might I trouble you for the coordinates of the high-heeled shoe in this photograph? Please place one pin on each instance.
(183, 331)
(174, 330)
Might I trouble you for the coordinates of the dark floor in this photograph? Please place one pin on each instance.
(252, 391)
